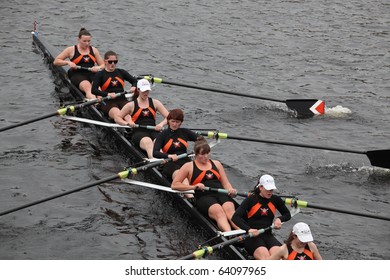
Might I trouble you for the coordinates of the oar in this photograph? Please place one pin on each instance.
(86, 68)
(62, 111)
(208, 250)
(295, 210)
(305, 204)
(303, 107)
(244, 194)
(156, 187)
(380, 158)
(167, 189)
(106, 124)
(121, 175)
(109, 124)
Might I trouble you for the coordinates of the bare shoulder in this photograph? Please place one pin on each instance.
(217, 163)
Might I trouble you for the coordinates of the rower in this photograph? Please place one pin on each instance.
(142, 111)
(84, 61)
(111, 81)
(204, 172)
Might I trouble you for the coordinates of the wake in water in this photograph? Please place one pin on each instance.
(346, 167)
(337, 112)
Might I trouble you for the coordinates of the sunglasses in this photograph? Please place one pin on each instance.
(112, 61)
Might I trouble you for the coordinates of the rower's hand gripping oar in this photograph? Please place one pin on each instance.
(121, 175)
(86, 68)
(62, 111)
(208, 250)
(380, 158)
(303, 107)
(224, 191)
(305, 204)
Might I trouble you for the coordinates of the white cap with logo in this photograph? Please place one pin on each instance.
(268, 182)
(302, 231)
(143, 85)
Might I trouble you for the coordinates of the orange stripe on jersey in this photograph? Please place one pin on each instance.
(257, 206)
(136, 115)
(199, 178)
(92, 57)
(121, 81)
(307, 252)
(216, 174)
(106, 84)
(167, 145)
(254, 209)
(272, 207)
(292, 255)
(77, 59)
(152, 111)
(184, 142)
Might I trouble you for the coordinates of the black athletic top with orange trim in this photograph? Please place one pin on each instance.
(87, 60)
(305, 255)
(210, 178)
(144, 116)
(111, 81)
(170, 142)
(257, 212)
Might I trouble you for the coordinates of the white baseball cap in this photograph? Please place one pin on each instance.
(143, 85)
(302, 231)
(268, 182)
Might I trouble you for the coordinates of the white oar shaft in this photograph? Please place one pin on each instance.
(154, 186)
(77, 119)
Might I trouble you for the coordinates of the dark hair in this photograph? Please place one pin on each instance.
(201, 145)
(110, 53)
(290, 238)
(135, 94)
(84, 32)
(176, 114)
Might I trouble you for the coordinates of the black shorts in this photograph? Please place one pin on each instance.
(204, 202)
(266, 239)
(172, 166)
(113, 103)
(77, 76)
(140, 133)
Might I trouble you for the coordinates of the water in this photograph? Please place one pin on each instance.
(331, 50)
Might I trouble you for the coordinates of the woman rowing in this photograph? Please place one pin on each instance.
(111, 81)
(204, 172)
(259, 211)
(173, 142)
(85, 56)
(298, 246)
(142, 111)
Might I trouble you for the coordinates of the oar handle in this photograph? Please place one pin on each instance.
(85, 68)
(124, 174)
(224, 191)
(151, 127)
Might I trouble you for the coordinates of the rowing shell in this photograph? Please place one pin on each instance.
(61, 72)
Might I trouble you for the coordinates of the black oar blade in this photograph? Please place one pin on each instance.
(306, 108)
(380, 158)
